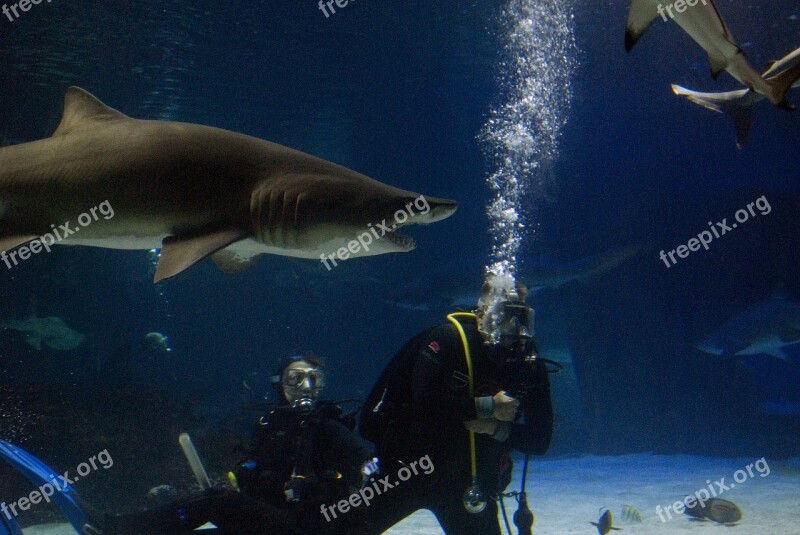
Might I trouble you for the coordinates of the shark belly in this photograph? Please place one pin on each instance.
(250, 248)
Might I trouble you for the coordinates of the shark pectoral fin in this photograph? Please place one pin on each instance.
(697, 98)
(34, 341)
(230, 262)
(12, 241)
(641, 15)
(781, 84)
(718, 64)
(179, 252)
(80, 107)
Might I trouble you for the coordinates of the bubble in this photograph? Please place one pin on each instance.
(521, 136)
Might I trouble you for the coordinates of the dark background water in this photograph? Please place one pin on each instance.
(398, 91)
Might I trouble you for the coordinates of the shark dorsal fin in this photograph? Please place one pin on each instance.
(80, 106)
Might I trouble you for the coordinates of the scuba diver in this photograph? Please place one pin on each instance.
(466, 399)
(304, 455)
(304, 458)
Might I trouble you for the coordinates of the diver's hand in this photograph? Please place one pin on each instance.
(484, 426)
(369, 471)
(505, 407)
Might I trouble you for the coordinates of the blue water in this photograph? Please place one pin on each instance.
(399, 91)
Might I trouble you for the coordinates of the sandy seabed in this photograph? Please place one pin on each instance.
(566, 494)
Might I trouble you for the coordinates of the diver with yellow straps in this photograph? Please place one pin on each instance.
(466, 398)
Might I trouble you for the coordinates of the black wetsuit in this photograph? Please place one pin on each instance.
(324, 455)
(439, 405)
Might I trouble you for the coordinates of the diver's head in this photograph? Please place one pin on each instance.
(515, 328)
(299, 380)
(506, 320)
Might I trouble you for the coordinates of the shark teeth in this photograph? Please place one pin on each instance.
(406, 242)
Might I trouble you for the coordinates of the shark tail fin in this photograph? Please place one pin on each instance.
(780, 84)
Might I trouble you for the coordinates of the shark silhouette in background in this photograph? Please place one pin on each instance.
(458, 283)
(765, 328)
(52, 332)
(193, 191)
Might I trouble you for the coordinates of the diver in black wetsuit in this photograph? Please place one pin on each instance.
(304, 457)
(508, 409)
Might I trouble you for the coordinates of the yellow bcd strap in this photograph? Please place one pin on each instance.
(452, 318)
(233, 481)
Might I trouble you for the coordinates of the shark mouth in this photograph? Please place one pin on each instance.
(402, 241)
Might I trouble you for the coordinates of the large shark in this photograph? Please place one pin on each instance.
(50, 331)
(739, 104)
(703, 22)
(193, 191)
(765, 328)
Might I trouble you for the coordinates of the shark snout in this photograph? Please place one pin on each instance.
(440, 208)
(423, 210)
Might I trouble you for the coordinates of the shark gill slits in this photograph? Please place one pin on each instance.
(256, 203)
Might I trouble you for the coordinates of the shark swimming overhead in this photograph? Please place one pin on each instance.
(193, 191)
(703, 22)
(739, 104)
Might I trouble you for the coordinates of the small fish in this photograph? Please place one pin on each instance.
(632, 514)
(162, 493)
(716, 509)
(605, 524)
(157, 343)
